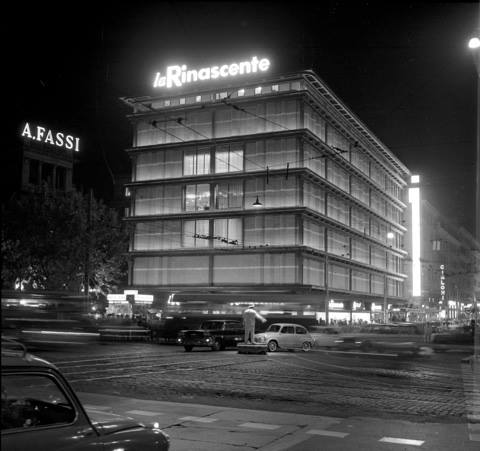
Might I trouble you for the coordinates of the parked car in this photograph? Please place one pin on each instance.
(286, 336)
(214, 334)
(40, 410)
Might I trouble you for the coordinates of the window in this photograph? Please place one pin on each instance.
(338, 243)
(196, 233)
(32, 401)
(167, 102)
(227, 232)
(229, 158)
(274, 87)
(228, 195)
(338, 176)
(198, 98)
(338, 209)
(287, 330)
(360, 190)
(300, 330)
(258, 90)
(182, 100)
(196, 162)
(197, 197)
(436, 245)
(221, 95)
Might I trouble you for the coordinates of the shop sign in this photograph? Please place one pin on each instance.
(178, 75)
(59, 139)
(442, 282)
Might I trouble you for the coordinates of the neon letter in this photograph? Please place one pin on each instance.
(26, 131)
(40, 132)
(173, 75)
(69, 143)
(59, 139)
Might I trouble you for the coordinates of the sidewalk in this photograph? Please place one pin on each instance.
(215, 428)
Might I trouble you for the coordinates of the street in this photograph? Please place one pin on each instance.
(357, 398)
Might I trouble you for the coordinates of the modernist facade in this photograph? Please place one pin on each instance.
(267, 190)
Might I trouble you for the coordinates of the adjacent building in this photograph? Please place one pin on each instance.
(266, 190)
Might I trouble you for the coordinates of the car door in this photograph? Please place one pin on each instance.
(301, 335)
(38, 412)
(286, 337)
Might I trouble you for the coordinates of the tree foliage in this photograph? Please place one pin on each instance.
(50, 239)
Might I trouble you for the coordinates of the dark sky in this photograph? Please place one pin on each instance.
(402, 67)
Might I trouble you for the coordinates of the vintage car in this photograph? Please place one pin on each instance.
(41, 411)
(286, 336)
(214, 334)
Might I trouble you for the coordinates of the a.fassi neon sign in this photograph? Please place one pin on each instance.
(178, 75)
(45, 135)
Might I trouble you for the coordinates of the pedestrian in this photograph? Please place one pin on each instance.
(249, 316)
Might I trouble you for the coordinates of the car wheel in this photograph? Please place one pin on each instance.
(272, 346)
(306, 346)
(188, 348)
(217, 346)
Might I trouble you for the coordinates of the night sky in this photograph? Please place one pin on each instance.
(404, 68)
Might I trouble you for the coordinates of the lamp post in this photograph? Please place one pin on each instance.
(474, 46)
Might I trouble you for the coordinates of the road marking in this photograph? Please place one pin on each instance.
(199, 419)
(93, 407)
(328, 433)
(260, 426)
(143, 412)
(402, 441)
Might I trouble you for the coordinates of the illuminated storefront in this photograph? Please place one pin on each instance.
(246, 188)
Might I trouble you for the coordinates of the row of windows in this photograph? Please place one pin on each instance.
(279, 192)
(259, 155)
(257, 269)
(259, 231)
(243, 92)
(261, 117)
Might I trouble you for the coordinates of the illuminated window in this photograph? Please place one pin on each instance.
(196, 162)
(229, 159)
(258, 90)
(415, 179)
(167, 102)
(198, 98)
(127, 192)
(227, 232)
(197, 197)
(241, 92)
(196, 233)
(436, 245)
(274, 87)
(228, 195)
(221, 95)
(182, 101)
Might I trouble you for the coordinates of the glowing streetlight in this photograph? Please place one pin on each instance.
(474, 43)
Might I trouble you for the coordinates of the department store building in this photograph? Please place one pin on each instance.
(264, 189)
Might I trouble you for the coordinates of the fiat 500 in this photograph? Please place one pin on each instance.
(286, 336)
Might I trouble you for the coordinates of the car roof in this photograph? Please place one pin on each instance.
(22, 359)
(14, 354)
(286, 324)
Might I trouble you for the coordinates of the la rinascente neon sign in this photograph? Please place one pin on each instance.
(45, 135)
(178, 75)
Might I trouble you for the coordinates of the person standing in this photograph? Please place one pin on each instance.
(249, 316)
(428, 332)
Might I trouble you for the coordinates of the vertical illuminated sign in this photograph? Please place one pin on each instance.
(442, 282)
(414, 200)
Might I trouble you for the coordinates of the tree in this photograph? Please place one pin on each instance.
(50, 239)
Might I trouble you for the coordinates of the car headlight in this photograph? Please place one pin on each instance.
(260, 338)
(208, 339)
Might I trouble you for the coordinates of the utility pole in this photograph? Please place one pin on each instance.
(327, 294)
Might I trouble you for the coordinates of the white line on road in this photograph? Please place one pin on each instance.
(402, 441)
(93, 407)
(260, 426)
(199, 419)
(327, 433)
(143, 412)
